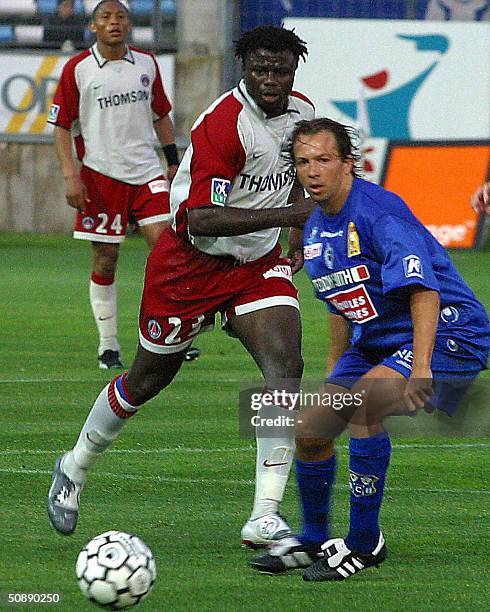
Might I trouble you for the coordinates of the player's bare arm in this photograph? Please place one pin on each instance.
(165, 131)
(76, 192)
(480, 200)
(424, 306)
(295, 237)
(232, 221)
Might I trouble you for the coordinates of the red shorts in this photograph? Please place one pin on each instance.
(185, 288)
(113, 202)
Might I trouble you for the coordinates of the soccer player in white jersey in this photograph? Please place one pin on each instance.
(111, 99)
(229, 200)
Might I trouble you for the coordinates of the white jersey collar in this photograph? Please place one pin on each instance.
(102, 61)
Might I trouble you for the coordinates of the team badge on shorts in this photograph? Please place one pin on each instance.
(353, 244)
(145, 80)
(88, 223)
(362, 485)
(220, 188)
(154, 329)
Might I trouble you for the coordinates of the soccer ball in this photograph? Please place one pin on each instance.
(116, 570)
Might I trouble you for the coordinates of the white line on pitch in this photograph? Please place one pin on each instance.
(173, 480)
(233, 449)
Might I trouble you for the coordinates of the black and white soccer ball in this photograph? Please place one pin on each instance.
(116, 570)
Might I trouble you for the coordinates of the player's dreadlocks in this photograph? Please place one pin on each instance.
(270, 38)
(345, 137)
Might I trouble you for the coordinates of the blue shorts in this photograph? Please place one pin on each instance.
(452, 373)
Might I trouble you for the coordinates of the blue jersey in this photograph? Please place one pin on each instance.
(362, 262)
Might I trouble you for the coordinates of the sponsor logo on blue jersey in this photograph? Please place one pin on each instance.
(341, 278)
(449, 314)
(311, 251)
(412, 266)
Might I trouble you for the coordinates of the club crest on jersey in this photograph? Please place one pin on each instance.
(220, 188)
(88, 223)
(154, 329)
(53, 112)
(353, 244)
(362, 485)
(328, 255)
(413, 266)
(145, 80)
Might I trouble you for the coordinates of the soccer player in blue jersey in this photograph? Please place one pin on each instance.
(406, 333)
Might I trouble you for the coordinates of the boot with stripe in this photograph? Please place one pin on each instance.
(339, 563)
(287, 554)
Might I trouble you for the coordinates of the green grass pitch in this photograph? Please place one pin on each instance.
(181, 478)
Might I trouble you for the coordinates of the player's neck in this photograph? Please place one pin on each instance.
(112, 53)
(334, 205)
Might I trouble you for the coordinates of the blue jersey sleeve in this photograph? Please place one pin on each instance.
(405, 255)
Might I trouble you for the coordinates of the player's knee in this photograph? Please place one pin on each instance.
(314, 449)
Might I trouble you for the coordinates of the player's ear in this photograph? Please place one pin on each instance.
(92, 28)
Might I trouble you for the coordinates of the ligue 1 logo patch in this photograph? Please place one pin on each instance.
(220, 188)
(145, 80)
(88, 223)
(154, 329)
(53, 113)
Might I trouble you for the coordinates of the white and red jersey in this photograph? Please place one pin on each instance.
(237, 158)
(110, 106)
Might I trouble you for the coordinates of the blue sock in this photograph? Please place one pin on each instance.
(368, 464)
(315, 481)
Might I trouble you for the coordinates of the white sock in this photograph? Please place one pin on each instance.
(103, 299)
(101, 428)
(270, 482)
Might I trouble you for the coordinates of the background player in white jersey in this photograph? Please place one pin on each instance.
(111, 99)
(222, 255)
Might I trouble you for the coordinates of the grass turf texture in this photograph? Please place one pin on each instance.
(190, 500)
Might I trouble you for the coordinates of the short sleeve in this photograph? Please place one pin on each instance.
(404, 253)
(65, 108)
(160, 104)
(218, 154)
